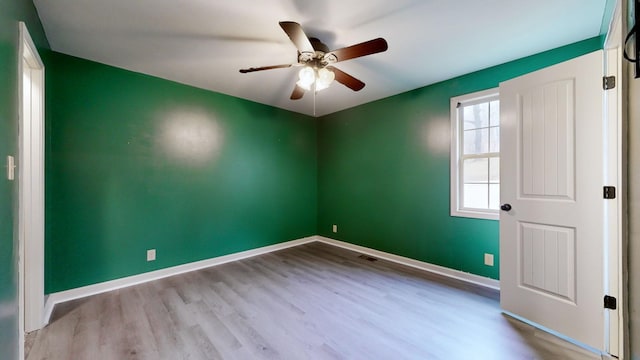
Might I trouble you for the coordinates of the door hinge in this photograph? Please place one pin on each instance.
(610, 302)
(608, 82)
(609, 192)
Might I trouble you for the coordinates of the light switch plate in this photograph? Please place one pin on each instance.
(11, 167)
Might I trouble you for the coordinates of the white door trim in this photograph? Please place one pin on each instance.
(30, 186)
(614, 176)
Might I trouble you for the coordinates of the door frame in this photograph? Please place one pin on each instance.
(30, 187)
(614, 176)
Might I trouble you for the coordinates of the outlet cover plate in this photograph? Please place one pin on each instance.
(488, 259)
(151, 255)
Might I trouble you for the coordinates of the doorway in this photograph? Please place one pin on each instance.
(545, 241)
(30, 186)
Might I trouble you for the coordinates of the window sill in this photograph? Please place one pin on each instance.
(476, 214)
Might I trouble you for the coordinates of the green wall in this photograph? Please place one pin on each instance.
(383, 171)
(11, 11)
(135, 162)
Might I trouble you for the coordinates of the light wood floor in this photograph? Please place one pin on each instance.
(314, 301)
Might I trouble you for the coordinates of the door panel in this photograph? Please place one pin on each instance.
(547, 150)
(552, 167)
(547, 254)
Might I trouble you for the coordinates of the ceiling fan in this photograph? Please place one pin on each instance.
(316, 60)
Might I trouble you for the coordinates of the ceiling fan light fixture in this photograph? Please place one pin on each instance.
(325, 78)
(307, 76)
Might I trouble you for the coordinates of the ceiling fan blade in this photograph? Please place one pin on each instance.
(297, 93)
(363, 49)
(244, 71)
(346, 79)
(297, 36)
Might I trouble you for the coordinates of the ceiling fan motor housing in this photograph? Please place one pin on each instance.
(319, 58)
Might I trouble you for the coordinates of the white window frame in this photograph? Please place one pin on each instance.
(456, 150)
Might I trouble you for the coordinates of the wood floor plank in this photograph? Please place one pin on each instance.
(225, 342)
(314, 301)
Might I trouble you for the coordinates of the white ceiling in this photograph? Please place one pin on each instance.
(204, 43)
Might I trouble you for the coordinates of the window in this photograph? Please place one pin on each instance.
(475, 155)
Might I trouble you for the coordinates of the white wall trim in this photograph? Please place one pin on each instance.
(81, 292)
(436, 269)
(77, 293)
(30, 221)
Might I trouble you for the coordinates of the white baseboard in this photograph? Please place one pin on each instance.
(440, 270)
(77, 293)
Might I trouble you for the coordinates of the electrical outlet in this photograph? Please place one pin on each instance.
(335, 228)
(488, 259)
(151, 255)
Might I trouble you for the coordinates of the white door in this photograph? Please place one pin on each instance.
(552, 240)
